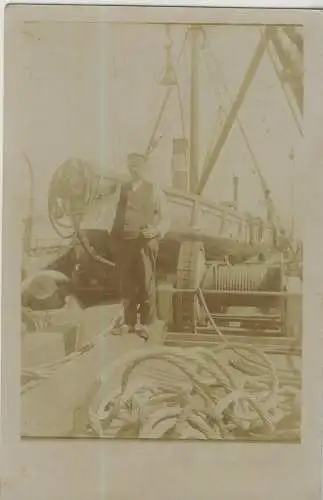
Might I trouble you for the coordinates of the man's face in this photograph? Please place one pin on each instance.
(134, 172)
(135, 168)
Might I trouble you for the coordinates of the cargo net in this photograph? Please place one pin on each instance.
(231, 392)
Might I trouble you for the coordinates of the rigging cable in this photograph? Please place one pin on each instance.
(240, 125)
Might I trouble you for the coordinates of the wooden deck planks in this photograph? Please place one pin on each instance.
(48, 410)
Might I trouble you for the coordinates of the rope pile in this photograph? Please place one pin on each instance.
(230, 392)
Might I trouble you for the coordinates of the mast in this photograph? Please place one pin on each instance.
(194, 33)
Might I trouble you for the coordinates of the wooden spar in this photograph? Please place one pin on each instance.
(194, 109)
(232, 114)
(289, 66)
(282, 84)
(295, 37)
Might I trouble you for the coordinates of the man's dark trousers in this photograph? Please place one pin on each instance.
(136, 260)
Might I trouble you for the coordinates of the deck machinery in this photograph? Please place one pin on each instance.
(256, 302)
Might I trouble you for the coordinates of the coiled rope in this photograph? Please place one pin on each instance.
(230, 391)
(72, 190)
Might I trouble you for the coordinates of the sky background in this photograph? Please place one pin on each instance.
(93, 91)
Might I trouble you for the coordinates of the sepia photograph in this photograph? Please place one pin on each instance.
(160, 230)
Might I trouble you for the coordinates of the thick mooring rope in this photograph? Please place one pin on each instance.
(221, 399)
(227, 392)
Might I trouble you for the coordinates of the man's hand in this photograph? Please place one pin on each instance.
(149, 232)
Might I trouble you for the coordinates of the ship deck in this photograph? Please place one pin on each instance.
(51, 407)
(57, 406)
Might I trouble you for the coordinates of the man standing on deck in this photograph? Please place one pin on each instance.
(141, 220)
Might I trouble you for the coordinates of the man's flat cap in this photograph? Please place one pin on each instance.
(137, 158)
